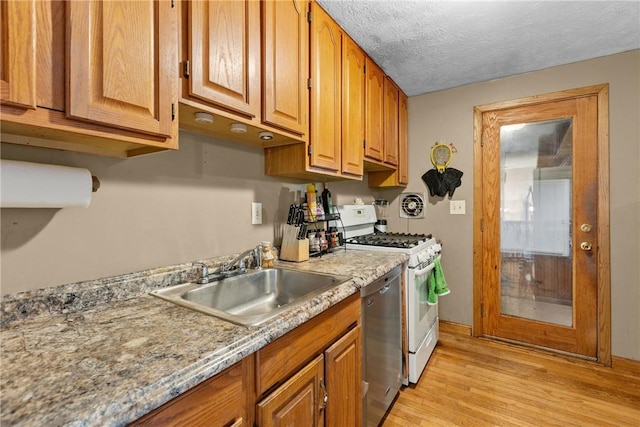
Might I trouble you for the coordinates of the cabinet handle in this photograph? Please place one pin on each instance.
(236, 423)
(325, 396)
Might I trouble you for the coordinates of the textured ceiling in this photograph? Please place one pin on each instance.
(427, 46)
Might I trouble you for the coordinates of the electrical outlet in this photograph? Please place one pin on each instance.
(256, 213)
(457, 207)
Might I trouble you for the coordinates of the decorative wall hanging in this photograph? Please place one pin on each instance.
(442, 180)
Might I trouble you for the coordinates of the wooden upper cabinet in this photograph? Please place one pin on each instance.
(353, 107)
(374, 135)
(224, 54)
(50, 54)
(122, 63)
(96, 77)
(285, 42)
(326, 101)
(391, 92)
(396, 137)
(18, 53)
(403, 140)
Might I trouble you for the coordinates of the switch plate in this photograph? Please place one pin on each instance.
(256, 213)
(457, 207)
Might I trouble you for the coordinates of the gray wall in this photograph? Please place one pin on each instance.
(175, 207)
(448, 115)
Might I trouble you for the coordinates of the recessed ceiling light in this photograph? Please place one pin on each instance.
(204, 118)
(238, 128)
(266, 135)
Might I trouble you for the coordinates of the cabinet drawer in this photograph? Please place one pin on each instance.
(277, 361)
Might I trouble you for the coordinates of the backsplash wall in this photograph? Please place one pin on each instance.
(150, 211)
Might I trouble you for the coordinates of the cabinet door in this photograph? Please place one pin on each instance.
(374, 112)
(18, 53)
(326, 70)
(390, 122)
(122, 64)
(298, 402)
(344, 381)
(353, 107)
(285, 41)
(224, 52)
(222, 401)
(403, 140)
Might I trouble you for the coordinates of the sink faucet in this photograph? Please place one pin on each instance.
(255, 259)
(237, 266)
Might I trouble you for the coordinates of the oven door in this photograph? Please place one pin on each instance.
(420, 316)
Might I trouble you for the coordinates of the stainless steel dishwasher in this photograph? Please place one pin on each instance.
(382, 345)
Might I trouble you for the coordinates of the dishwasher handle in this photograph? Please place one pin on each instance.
(382, 284)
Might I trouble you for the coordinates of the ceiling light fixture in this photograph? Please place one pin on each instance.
(266, 136)
(238, 128)
(203, 118)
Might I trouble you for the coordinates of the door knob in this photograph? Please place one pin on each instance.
(585, 246)
(585, 227)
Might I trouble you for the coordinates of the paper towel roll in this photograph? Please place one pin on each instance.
(36, 185)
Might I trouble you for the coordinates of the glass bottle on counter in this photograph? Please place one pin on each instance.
(312, 207)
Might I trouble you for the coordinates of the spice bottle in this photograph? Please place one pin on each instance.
(327, 203)
(311, 202)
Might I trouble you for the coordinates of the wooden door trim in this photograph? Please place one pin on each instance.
(603, 261)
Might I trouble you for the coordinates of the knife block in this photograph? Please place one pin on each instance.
(293, 249)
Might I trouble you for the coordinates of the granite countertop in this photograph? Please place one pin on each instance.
(104, 352)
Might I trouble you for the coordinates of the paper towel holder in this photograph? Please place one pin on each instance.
(95, 184)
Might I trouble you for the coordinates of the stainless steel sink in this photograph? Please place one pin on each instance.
(254, 297)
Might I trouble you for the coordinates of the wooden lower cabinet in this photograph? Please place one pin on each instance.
(326, 392)
(311, 376)
(331, 339)
(226, 400)
(299, 401)
(343, 379)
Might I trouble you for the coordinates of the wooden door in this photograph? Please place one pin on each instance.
(403, 139)
(344, 381)
(540, 196)
(224, 54)
(374, 131)
(390, 122)
(298, 402)
(326, 91)
(18, 53)
(353, 107)
(122, 64)
(285, 44)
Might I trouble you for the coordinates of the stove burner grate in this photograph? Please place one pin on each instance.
(390, 240)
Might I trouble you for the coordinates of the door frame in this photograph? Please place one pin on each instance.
(601, 91)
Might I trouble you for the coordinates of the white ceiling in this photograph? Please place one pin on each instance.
(427, 46)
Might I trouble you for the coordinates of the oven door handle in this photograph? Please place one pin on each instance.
(424, 271)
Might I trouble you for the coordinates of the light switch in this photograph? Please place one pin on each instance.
(256, 213)
(457, 207)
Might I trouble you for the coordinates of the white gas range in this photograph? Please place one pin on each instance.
(422, 327)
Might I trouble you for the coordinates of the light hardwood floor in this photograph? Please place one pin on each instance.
(477, 382)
